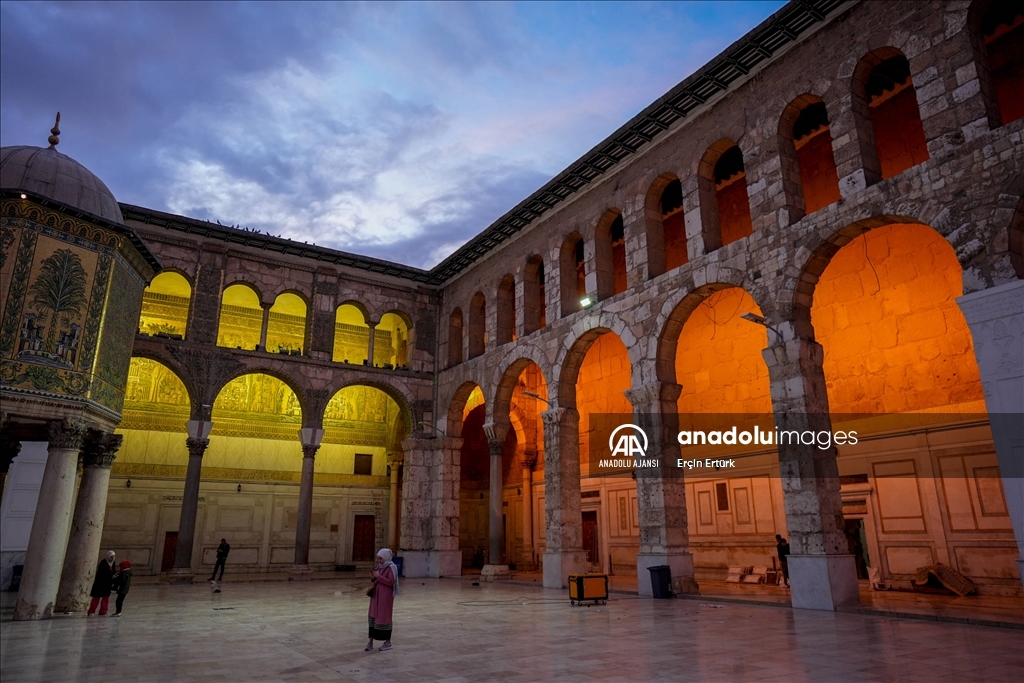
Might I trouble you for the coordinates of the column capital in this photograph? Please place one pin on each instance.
(496, 433)
(650, 397)
(67, 434)
(529, 457)
(556, 416)
(309, 450)
(395, 458)
(196, 447)
(100, 448)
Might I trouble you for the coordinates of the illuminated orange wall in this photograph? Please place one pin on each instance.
(818, 175)
(604, 376)
(899, 136)
(718, 359)
(894, 339)
(734, 211)
(675, 240)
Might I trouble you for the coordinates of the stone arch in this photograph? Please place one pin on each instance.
(575, 346)
(675, 312)
(994, 33)
(455, 329)
(1016, 239)
(292, 287)
(282, 332)
(194, 397)
(162, 311)
(571, 273)
(231, 281)
(722, 187)
(505, 375)
(456, 404)
(402, 341)
(810, 180)
(886, 115)
(403, 400)
(477, 325)
(609, 255)
(291, 382)
(534, 304)
(360, 306)
(664, 225)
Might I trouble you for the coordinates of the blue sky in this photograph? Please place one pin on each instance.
(391, 130)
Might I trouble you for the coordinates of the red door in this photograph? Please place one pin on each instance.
(590, 537)
(363, 539)
(170, 550)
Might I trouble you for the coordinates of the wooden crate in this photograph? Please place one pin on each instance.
(588, 588)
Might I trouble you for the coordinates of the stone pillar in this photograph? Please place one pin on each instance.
(10, 446)
(44, 558)
(996, 319)
(394, 462)
(263, 328)
(822, 572)
(661, 494)
(495, 567)
(310, 438)
(564, 553)
(370, 347)
(528, 560)
(197, 441)
(83, 551)
(430, 507)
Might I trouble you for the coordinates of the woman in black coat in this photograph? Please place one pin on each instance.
(102, 585)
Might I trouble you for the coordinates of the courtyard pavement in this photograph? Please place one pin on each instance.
(451, 630)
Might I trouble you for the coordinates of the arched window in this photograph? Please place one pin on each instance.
(391, 341)
(534, 316)
(506, 311)
(999, 39)
(572, 274)
(808, 164)
(729, 181)
(165, 305)
(610, 258)
(883, 83)
(241, 318)
(455, 337)
(672, 224)
(351, 335)
(477, 325)
(286, 325)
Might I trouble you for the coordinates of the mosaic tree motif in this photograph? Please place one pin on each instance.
(59, 289)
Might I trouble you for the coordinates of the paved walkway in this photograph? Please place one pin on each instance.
(451, 630)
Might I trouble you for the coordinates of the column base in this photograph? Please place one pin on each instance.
(495, 572)
(26, 611)
(431, 563)
(823, 582)
(681, 564)
(300, 572)
(182, 575)
(559, 565)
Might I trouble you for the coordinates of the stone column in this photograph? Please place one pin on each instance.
(822, 572)
(564, 553)
(996, 319)
(430, 507)
(661, 494)
(495, 568)
(527, 559)
(370, 344)
(263, 328)
(301, 571)
(197, 441)
(10, 446)
(394, 462)
(47, 542)
(83, 552)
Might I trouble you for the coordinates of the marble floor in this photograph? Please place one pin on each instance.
(451, 630)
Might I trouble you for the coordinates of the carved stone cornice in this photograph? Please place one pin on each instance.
(65, 434)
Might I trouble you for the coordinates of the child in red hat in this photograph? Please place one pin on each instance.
(122, 582)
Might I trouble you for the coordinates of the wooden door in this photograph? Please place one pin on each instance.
(170, 550)
(363, 539)
(590, 537)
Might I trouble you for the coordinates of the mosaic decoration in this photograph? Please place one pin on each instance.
(351, 343)
(163, 314)
(285, 332)
(155, 399)
(257, 406)
(360, 415)
(240, 327)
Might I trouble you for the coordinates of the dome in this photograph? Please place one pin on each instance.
(56, 176)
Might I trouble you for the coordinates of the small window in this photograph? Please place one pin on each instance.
(364, 464)
(722, 493)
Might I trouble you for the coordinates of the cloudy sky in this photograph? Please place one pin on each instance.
(391, 130)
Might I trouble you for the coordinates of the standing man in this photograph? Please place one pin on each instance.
(782, 546)
(222, 557)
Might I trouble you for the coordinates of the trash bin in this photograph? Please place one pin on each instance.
(400, 563)
(16, 578)
(661, 580)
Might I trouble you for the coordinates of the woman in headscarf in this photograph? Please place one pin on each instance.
(382, 600)
(102, 585)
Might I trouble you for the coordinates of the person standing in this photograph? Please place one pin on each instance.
(122, 582)
(102, 585)
(782, 547)
(382, 600)
(222, 557)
